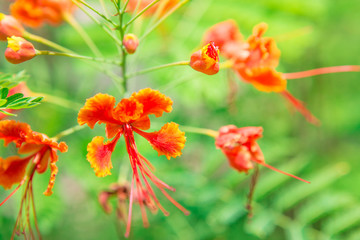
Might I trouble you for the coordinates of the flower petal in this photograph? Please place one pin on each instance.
(53, 172)
(13, 131)
(12, 170)
(168, 141)
(153, 101)
(99, 156)
(97, 109)
(128, 110)
(42, 139)
(264, 79)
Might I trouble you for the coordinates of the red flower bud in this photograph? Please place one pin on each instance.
(9, 26)
(206, 60)
(19, 50)
(130, 42)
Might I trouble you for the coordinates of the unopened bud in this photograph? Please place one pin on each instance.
(19, 50)
(206, 60)
(131, 43)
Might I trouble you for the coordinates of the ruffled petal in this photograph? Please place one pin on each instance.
(168, 141)
(97, 109)
(53, 173)
(13, 131)
(128, 110)
(153, 101)
(12, 170)
(99, 156)
(42, 139)
(264, 79)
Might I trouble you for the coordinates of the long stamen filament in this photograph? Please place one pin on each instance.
(320, 71)
(285, 173)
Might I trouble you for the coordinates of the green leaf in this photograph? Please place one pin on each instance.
(7, 113)
(4, 92)
(2, 102)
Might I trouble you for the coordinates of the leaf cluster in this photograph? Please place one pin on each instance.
(17, 100)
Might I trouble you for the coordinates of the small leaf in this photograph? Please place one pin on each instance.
(4, 92)
(2, 102)
(7, 113)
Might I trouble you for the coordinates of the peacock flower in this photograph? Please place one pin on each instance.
(243, 153)
(19, 50)
(41, 153)
(128, 116)
(241, 149)
(35, 12)
(255, 60)
(121, 191)
(206, 60)
(131, 42)
(159, 8)
(9, 26)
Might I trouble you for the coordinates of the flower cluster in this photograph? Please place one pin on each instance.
(128, 116)
(254, 59)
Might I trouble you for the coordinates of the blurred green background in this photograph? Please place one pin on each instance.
(309, 33)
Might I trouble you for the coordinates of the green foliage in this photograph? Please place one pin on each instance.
(311, 34)
(17, 100)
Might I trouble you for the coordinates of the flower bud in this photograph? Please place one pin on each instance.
(130, 42)
(206, 60)
(9, 26)
(19, 50)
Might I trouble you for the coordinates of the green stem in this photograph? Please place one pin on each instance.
(166, 15)
(69, 18)
(123, 52)
(78, 57)
(94, 10)
(181, 63)
(68, 132)
(140, 13)
(104, 8)
(227, 64)
(58, 101)
(124, 7)
(203, 131)
(104, 27)
(44, 41)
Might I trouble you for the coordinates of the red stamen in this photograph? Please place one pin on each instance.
(320, 71)
(277, 170)
(128, 225)
(13, 192)
(301, 108)
(212, 51)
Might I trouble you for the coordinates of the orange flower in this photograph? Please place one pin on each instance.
(128, 116)
(35, 12)
(240, 147)
(162, 7)
(254, 60)
(131, 42)
(206, 60)
(41, 153)
(9, 26)
(19, 50)
(20, 88)
(243, 153)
